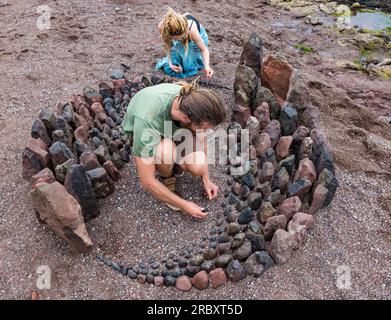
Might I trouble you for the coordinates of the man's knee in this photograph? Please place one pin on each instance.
(165, 152)
(196, 163)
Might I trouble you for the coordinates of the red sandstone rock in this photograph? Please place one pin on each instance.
(112, 170)
(62, 213)
(158, 281)
(274, 131)
(289, 207)
(45, 175)
(200, 280)
(281, 246)
(262, 113)
(283, 145)
(306, 170)
(261, 143)
(119, 83)
(318, 198)
(298, 226)
(82, 133)
(276, 75)
(273, 224)
(183, 283)
(35, 158)
(217, 278)
(141, 278)
(89, 160)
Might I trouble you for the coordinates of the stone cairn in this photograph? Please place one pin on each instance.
(74, 155)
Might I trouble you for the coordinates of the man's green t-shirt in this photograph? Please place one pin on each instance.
(148, 113)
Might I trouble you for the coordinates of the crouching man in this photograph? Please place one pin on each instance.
(156, 118)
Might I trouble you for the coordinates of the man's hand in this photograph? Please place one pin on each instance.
(210, 188)
(194, 210)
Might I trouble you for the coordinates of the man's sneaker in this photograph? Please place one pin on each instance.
(170, 183)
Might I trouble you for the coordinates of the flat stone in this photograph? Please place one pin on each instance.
(266, 172)
(276, 75)
(262, 113)
(265, 95)
(262, 143)
(281, 246)
(280, 180)
(318, 198)
(330, 182)
(263, 258)
(48, 118)
(255, 200)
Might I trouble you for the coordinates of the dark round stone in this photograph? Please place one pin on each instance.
(182, 263)
(155, 272)
(170, 264)
(169, 281)
(155, 265)
(177, 272)
(213, 245)
(132, 274)
(149, 278)
(164, 272)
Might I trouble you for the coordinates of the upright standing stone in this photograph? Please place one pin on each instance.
(252, 53)
(60, 153)
(34, 158)
(38, 130)
(78, 185)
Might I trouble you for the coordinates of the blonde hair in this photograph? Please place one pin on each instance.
(174, 24)
(200, 105)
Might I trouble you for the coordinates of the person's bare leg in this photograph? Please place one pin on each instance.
(165, 157)
(195, 163)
